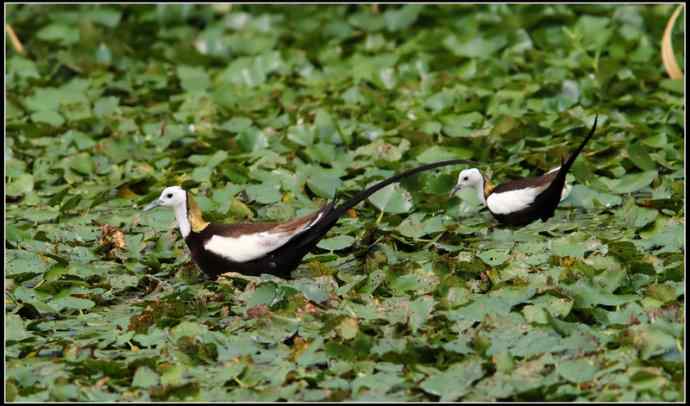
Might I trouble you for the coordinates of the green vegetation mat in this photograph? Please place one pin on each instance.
(265, 113)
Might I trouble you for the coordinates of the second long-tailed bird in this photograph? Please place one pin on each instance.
(257, 248)
(521, 201)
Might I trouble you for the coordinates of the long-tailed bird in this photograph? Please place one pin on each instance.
(521, 201)
(257, 248)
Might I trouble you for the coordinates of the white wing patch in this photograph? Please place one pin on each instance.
(516, 200)
(511, 201)
(252, 246)
(566, 191)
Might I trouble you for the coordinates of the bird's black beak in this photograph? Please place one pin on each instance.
(152, 205)
(455, 190)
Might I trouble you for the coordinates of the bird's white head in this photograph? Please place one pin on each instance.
(172, 196)
(187, 212)
(468, 178)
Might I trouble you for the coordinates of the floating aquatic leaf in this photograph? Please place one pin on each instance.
(336, 243)
(22, 184)
(436, 153)
(453, 383)
(577, 371)
(144, 377)
(15, 328)
(631, 183)
(475, 47)
(582, 196)
(60, 33)
(193, 78)
(264, 193)
(51, 118)
(348, 328)
(392, 199)
(494, 257)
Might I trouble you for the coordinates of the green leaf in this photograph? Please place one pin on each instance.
(402, 18)
(301, 135)
(595, 31)
(348, 328)
(21, 185)
(22, 67)
(202, 174)
(640, 157)
(71, 303)
(579, 370)
(265, 294)
(173, 376)
(476, 46)
(586, 295)
(15, 328)
(52, 118)
(20, 261)
(264, 193)
(494, 257)
(420, 311)
(237, 124)
(324, 185)
(461, 125)
(652, 340)
(336, 243)
(188, 329)
(437, 153)
(635, 216)
(415, 226)
(107, 17)
(252, 139)
(60, 33)
(392, 199)
(453, 383)
(568, 247)
(145, 378)
(82, 163)
(193, 78)
(631, 183)
(582, 196)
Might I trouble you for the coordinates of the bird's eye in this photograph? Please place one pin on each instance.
(465, 178)
(169, 196)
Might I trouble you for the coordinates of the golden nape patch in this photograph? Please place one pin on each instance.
(196, 220)
(488, 187)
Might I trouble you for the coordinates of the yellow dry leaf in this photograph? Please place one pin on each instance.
(667, 56)
(14, 39)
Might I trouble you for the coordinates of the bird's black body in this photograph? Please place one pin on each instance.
(544, 205)
(284, 259)
(279, 262)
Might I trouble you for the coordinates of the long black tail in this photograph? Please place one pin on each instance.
(574, 155)
(308, 240)
(340, 210)
(557, 184)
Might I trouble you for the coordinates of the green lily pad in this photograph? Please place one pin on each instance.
(392, 199)
(577, 371)
(494, 257)
(454, 383)
(336, 243)
(21, 185)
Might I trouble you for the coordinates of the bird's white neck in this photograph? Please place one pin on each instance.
(182, 219)
(480, 191)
